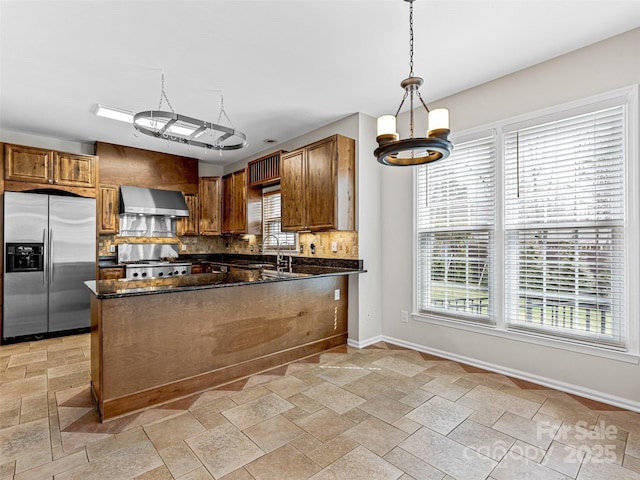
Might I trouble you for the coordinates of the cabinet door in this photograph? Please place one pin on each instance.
(239, 202)
(292, 188)
(112, 273)
(27, 164)
(74, 170)
(209, 221)
(189, 225)
(227, 204)
(320, 192)
(107, 209)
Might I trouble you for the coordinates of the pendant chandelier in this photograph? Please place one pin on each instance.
(413, 150)
(187, 130)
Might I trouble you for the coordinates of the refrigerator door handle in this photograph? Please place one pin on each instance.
(45, 270)
(51, 256)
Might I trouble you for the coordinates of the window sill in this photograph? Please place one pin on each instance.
(627, 357)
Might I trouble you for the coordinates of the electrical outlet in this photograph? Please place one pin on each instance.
(337, 294)
(301, 248)
(405, 316)
(184, 247)
(112, 248)
(334, 246)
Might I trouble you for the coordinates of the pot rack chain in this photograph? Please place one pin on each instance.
(163, 94)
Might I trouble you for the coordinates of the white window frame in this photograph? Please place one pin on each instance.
(628, 97)
(479, 228)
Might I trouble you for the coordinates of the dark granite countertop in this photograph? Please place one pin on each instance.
(249, 261)
(105, 289)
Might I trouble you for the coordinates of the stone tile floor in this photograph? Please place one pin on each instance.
(382, 412)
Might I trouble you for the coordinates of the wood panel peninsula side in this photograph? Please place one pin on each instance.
(153, 342)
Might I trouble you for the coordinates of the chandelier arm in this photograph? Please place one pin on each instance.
(401, 103)
(422, 101)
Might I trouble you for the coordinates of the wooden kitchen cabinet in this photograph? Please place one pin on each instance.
(317, 184)
(38, 167)
(112, 273)
(74, 170)
(209, 221)
(241, 205)
(107, 209)
(189, 225)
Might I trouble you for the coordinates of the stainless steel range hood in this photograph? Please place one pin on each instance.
(152, 201)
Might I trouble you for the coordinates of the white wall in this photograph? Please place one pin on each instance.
(592, 70)
(85, 148)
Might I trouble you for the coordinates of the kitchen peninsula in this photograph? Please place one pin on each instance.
(153, 341)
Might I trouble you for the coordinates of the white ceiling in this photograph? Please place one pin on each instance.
(286, 67)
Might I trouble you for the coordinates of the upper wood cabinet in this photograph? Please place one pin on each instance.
(264, 171)
(189, 225)
(209, 221)
(40, 166)
(317, 184)
(107, 204)
(241, 205)
(74, 170)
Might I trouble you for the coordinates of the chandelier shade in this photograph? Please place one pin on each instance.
(392, 150)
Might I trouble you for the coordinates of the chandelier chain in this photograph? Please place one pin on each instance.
(411, 38)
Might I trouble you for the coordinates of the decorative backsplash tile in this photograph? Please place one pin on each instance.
(346, 243)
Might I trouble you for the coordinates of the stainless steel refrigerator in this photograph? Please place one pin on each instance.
(49, 248)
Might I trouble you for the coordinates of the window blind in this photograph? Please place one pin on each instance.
(456, 222)
(564, 210)
(271, 224)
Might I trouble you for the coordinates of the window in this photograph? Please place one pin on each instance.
(564, 226)
(456, 228)
(542, 251)
(271, 224)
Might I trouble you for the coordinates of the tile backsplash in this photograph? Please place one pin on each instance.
(346, 244)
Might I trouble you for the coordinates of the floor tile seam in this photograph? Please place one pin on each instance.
(526, 460)
(59, 459)
(581, 447)
(413, 456)
(449, 439)
(191, 450)
(316, 463)
(469, 419)
(113, 436)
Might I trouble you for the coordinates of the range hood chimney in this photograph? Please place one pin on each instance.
(152, 201)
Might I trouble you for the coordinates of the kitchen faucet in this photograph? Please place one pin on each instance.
(278, 256)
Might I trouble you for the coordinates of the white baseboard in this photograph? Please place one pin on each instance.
(364, 343)
(547, 382)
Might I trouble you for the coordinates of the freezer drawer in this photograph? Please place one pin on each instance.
(25, 304)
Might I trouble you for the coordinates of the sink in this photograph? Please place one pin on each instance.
(268, 274)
